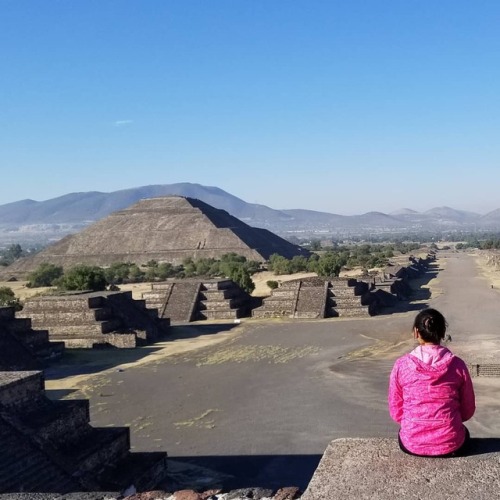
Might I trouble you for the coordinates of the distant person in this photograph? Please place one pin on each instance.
(431, 393)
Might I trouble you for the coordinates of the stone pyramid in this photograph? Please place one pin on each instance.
(166, 229)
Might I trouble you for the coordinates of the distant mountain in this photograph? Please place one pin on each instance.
(44, 221)
(404, 211)
(450, 214)
(94, 205)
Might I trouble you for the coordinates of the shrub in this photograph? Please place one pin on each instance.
(45, 275)
(272, 284)
(83, 277)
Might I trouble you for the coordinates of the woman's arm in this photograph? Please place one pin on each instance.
(467, 397)
(395, 395)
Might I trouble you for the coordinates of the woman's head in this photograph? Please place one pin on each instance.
(430, 325)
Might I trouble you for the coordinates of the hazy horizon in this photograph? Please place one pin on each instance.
(336, 107)
(392, 212)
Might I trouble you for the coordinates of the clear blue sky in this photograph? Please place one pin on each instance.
(340, 106)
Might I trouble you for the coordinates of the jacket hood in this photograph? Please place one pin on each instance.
(431, 357)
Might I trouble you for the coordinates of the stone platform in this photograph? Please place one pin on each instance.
(377, 469)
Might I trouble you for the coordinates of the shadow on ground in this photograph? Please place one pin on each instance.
(90, 361)
(480, 446)
(240, 471)
(419, 297)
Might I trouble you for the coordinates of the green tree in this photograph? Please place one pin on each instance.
(328, 265)
(10, 254)
(165, 270)
(44, 275)
(135, 274)
(315, 245)
(83, 277)
(118, 272)
(8, 298)
(241, 276)
(279, 264)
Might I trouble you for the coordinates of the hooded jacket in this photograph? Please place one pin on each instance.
(430, 395)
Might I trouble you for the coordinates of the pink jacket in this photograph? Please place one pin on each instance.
(430, 395)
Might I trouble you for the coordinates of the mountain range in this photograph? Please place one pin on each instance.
(43, 221)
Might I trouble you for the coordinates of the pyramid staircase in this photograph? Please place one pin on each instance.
(19, 336)
(311, 300)
(193, 300)
(317, 298)
(281, 302)
(345, 298)
(95, 319)
(49, 446)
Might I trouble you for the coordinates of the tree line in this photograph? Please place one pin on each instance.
(330, 262)
(86, 277)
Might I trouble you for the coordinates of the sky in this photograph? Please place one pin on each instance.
(338, 106)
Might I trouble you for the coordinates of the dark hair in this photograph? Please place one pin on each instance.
(431, 325)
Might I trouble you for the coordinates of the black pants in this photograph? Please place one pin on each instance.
(460, 452)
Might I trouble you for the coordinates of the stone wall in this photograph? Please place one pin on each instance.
(91, 319)
(376, 469)
(62, 452)
(21, 346)
(193, 300)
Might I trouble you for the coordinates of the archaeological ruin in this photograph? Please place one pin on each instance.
(50, 447)
(168, 229)
(193, 300)
(92, 319)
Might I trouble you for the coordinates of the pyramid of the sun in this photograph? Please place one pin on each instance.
(167, 229)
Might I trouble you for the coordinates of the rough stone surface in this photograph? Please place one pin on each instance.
(166, 229)
(289, 493)
(376, 469)
(254, 493)
(187, 495)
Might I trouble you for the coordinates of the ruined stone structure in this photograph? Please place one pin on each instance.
(49, 446)
(166, 229)
(318, 298)
(22, 346)
(191, 300)
(97, 318)
(395, 279)
(376, 469)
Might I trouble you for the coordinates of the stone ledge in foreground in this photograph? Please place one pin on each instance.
(377, 469)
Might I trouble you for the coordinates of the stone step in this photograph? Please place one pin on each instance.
(24, 468)
(271, 302)
(341, 292)
(308, 315)
(62, 303)
(262, 313)
(143, 470)
(219, 294)
(19, 324)
(220, 314)
(122, 340)
(161, 286)
(7, 313)
(288, 294)
(20, 390)
(100, 446)
(84, 330)
(46, 319)
(155, 295)
(32, 338)
(218, 304)
(353, 311)
(49, 351)
(59, 422)
(217, 285)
